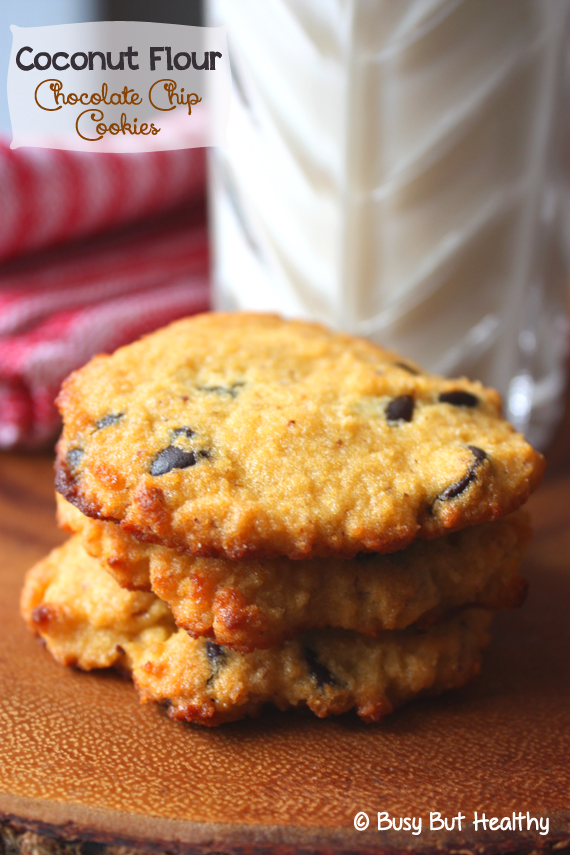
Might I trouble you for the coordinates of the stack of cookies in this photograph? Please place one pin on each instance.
(264, 511)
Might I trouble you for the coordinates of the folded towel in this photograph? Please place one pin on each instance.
(60, 307)
(48, 196)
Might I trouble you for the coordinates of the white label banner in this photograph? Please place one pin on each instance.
(119, 86)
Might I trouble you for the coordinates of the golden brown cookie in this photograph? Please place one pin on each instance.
(81, 612)
(236, 435)
(86, 619)
(258, 603)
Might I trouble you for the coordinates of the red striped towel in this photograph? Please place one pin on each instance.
(59, 307)
(48, 196)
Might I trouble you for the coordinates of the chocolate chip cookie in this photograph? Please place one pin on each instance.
(86, 619)
(243, 435)
(259, 603)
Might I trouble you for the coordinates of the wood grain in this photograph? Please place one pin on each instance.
(81, 758)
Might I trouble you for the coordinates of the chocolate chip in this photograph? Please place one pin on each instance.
(461, 485)
(317, 670)
(74, 457)
(172, 458)
(231, 389)
(111, 419)
(457, 488)
(216, 657)
(204, 454)
(459, 398)
(400, 409)
(407, 368)
(216, 654)
(478, 453)
(44, 615)
(183, 431)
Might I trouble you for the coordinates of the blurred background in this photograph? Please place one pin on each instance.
(398, 169)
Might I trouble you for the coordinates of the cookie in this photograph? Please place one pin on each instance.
(83, 614)
(241, 435)
(86, 619)
(259, 603)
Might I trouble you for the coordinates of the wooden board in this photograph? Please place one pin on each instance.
(81, 758)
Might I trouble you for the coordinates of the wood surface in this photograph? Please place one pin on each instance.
(80, 758)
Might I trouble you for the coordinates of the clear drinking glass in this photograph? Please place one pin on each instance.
(395, 168)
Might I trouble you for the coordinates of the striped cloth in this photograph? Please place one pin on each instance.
(49, 196)
(61, 306)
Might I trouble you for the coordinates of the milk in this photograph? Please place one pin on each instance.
(393, 170)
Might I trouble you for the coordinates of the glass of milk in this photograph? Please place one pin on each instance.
(395, 168)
